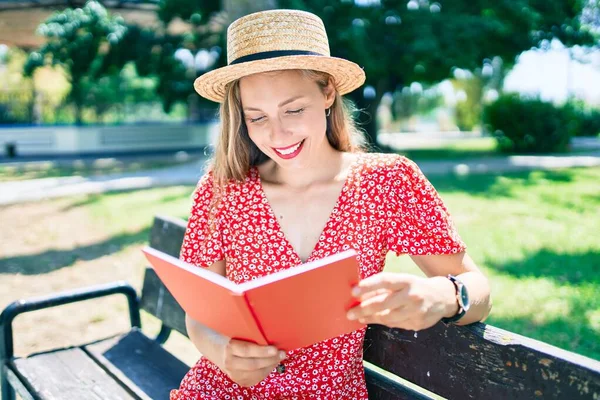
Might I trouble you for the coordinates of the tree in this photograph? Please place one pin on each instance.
(178, 59)
(400, 42)
(590, 16)
(78, 40)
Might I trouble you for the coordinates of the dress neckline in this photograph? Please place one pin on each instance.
(335, 210)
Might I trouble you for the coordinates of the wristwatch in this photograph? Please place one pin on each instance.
(462, 297)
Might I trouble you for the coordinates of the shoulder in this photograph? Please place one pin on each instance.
(208, 182)
(381, 166)
(210, 190)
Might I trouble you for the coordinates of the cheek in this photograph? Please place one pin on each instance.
(312, 124)
(257, 134)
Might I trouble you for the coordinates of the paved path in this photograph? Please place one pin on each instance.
(188, 174)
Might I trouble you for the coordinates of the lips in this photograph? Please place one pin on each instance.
(287, 148)
(290, 151)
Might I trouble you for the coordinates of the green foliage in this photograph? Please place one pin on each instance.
(154, 52)
(528, 125)
(399, 42)
(403, 42)
(410, 101)
(78, 40)
(196, 12)
(15, 99)
(585, 120)
(468, 109)
(590, 123)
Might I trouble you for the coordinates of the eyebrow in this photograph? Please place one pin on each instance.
(283, 103)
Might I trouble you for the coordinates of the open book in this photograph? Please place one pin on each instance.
(289, 309)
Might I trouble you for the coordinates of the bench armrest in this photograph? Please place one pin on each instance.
(57, 299)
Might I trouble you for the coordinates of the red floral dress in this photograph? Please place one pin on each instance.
(386, 204)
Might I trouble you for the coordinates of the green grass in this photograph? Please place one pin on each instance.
(536, 236)
(50, 169)
(464, 149)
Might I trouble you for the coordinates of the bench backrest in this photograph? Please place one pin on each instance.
(476, 361)
(166, 235)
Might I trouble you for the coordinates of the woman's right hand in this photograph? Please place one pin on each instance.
(247, 363)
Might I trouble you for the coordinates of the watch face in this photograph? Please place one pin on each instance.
(464, 297)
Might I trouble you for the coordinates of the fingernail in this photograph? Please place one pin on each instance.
(355, 291)
(282, 355)
(272, 351)
(351, 315)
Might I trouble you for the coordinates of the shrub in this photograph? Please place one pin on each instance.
(586, 120)
(528, 125)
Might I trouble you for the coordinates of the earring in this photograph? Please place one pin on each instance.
(328, 113)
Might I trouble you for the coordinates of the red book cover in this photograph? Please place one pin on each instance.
(289, 309)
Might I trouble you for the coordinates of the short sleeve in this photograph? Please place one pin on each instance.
(418, 221)
(202, 244)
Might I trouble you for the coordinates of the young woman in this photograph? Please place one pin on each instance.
(289, 183)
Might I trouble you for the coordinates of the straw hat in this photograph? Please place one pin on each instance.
(278, 40)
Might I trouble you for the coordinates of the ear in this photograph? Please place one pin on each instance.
(330, 93)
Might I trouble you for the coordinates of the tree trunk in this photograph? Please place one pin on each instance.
(77, 100)
(367, 116)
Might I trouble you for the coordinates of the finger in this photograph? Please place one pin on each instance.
(388, 281)
(253, 378)
(253, 364)
(391, 318)
(403, 317)
(377, 304)
(374, 293)
(246, 349)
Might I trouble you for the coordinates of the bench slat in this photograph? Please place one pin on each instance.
(381, 387)
(68, 374)
(158, 301)
(140, 363)
(480, 361)
(166, 235)
(17, 385)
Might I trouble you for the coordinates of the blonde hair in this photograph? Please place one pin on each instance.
(235, 153)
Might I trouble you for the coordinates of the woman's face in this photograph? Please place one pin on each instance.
(285, 115)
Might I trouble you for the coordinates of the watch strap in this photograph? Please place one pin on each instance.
(461, 311)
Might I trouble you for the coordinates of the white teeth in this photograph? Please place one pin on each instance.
(289, 151)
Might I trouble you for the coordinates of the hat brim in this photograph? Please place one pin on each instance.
(347, 75)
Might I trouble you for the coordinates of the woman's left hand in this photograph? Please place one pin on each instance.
(403, 301)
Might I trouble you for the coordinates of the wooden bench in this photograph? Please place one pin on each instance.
(478, 361)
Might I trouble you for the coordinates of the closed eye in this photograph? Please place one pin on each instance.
(254, 120)
(298, 111)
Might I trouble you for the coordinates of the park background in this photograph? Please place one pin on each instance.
(499, 102)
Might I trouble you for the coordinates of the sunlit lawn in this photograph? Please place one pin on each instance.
(461, 149)
(534, 233)
(464, 149)
(81, 167)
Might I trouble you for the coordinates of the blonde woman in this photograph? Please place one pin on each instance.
(290, 183)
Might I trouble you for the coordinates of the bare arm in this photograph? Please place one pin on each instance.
(210, 343)
(437, 267)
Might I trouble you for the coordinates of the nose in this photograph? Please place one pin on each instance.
(279, 133)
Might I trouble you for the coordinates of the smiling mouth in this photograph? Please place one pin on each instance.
(289, 150)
